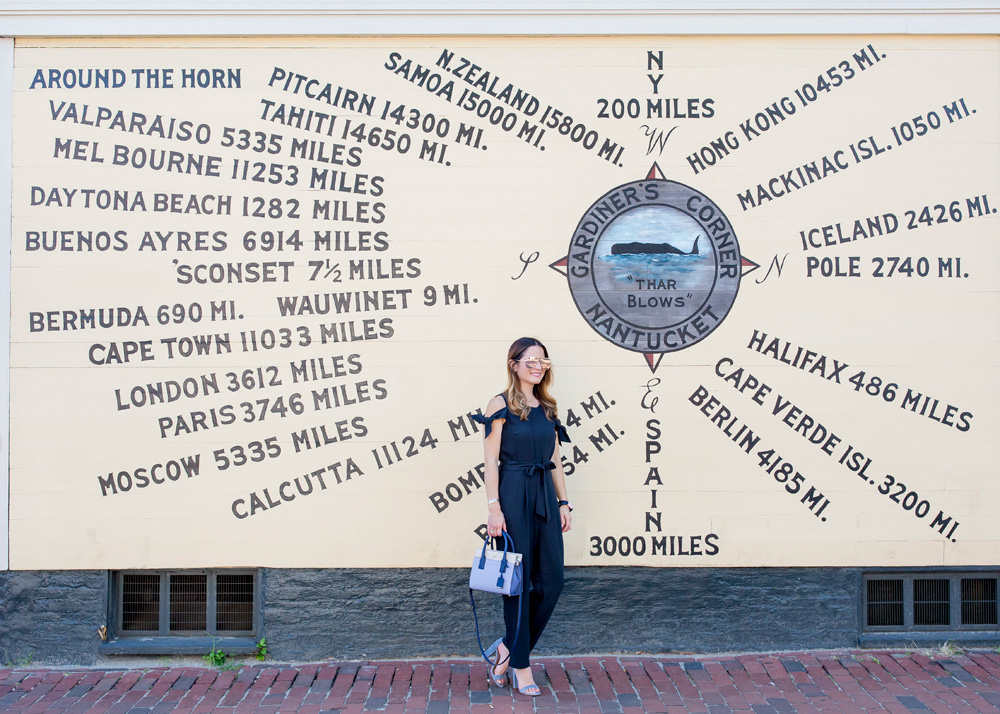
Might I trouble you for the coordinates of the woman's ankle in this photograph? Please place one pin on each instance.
(503, 658)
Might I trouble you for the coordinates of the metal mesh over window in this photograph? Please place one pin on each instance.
(188, 602)
(234, 602)
(140, 602)
(185, 603)
(931, 602)
(979, 601)
(885, 603)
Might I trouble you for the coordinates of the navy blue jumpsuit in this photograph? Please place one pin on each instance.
(529, 505)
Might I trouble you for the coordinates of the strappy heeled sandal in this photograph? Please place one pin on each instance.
(525, 689)
(499, 680)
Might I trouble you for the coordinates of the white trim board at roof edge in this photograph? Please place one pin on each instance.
(164, 18)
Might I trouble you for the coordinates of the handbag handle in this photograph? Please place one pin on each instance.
(508, 542)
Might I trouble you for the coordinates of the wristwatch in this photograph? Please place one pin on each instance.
(566, 503)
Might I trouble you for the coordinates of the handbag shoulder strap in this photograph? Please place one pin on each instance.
(517, 631)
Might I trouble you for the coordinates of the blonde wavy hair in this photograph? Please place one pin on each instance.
(516, 399)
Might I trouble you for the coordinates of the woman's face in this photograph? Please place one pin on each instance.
(535, 373)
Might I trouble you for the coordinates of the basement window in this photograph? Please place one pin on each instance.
(185, 603)
(930, 601)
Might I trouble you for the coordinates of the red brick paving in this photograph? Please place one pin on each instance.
(825, 682)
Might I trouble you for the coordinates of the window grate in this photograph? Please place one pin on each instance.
(885, 603)
(979, 601)
(140, 602)
(234, 602)
(931, 602)
(188, 602)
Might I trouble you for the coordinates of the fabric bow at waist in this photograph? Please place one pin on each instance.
(544, 491)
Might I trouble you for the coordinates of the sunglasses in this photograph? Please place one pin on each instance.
(535, 363)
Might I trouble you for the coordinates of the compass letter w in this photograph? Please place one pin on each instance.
(656, 139)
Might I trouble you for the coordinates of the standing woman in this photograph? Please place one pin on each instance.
(526, 496)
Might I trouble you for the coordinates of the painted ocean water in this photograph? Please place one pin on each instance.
(654, 290)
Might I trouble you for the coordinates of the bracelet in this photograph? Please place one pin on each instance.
(492, 501)
(566, 503)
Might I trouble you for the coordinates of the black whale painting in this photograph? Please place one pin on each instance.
(637, 248)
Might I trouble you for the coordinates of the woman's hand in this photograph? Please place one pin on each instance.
(566, 517)
(495, 524)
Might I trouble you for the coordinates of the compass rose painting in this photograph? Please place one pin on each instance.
(654, 266)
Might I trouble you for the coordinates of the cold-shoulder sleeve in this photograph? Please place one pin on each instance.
(561, 432)
(501, 413)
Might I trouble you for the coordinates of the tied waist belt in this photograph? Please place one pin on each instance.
(544, 491)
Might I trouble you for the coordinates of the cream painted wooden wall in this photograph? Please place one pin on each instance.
(878, 258)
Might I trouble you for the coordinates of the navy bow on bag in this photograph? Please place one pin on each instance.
(500, 572)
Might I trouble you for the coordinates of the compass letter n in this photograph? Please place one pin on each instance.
(775, 265)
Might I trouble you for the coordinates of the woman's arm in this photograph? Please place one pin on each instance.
(495, 523)
(559, 481)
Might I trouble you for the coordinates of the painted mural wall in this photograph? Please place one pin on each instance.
(259, 288)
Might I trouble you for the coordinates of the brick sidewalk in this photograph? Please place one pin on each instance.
(839, 681)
